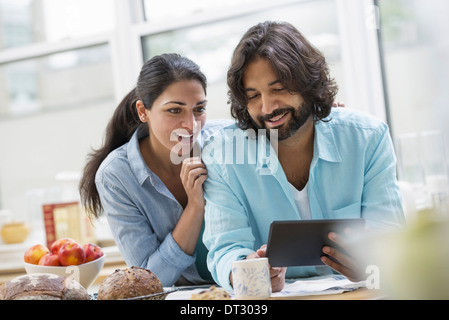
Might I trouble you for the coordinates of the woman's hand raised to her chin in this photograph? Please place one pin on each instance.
(193, 174)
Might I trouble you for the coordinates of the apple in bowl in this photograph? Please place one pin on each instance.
(71, 254)
(35, 253)
(59, 243)
(69, 261)
(92, 251)
(49, 260)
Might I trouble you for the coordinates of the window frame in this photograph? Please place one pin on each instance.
(361, 50)
(360, 46)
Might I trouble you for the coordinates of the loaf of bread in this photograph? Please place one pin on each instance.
(129, 283)
(42, 286)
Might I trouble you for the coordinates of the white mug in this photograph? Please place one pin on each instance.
(251, 279)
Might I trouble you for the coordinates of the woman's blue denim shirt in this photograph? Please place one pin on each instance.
(142, 212)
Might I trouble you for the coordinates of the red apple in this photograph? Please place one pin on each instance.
(59, 243)
(92, 251)
(71, 253)
(49, 260)
(35, 253)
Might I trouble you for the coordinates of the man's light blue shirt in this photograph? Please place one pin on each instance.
(142, 212)
(352, 175)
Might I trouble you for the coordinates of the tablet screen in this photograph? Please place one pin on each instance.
(300, 243)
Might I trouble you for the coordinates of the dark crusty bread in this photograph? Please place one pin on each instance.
(42, 286)
(129, 283)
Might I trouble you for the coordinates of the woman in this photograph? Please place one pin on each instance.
(147, 177)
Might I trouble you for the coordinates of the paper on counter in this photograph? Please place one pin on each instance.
(321, 285)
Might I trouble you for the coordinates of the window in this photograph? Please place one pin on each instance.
(211, 44)
(416, 51)
(156, 10)
(55, 55)
(83, 77)
(24, 22)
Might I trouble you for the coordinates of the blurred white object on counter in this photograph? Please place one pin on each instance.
(5, 217)
(423, 171)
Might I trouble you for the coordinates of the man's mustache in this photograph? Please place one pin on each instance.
(276, 113)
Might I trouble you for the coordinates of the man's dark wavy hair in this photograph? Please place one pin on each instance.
(300, 67)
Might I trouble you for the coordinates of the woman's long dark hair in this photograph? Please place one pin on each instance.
(155, 76)
(298, 64)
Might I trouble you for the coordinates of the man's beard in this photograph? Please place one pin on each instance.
(299, 117)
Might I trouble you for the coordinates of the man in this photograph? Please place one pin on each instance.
(320, 163)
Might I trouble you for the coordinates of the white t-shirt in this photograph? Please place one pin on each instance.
(302, 201)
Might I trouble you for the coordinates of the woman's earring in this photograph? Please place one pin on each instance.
(142, 118)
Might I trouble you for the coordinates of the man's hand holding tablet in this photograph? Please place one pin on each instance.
(315, 242)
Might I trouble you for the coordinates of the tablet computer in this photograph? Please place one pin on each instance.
(300, 242)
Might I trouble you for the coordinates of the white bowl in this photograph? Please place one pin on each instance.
(85, 273)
